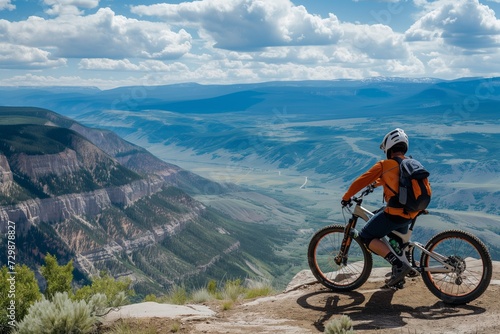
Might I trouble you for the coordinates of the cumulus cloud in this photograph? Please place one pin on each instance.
(229, 41)
(67, 80)
(466, 24)
(239, 39)
(280, 32)
(377, 41)
(19, 57)
(249, 24)
(105, 64)
(456, 38)
(6, 5)
(69, 7)
(100, 35)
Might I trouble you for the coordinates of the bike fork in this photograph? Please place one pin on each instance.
(341, 257)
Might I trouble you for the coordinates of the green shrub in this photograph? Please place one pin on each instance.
(16, 299)
(60, 315)
(227, 305)
(58, 277)
(201, 296)
(232, 290)
(342, 325)
(116, 292)
(36, 315)
(175, 327)
(177, 295)
(150, 298)
(212, 287)
(258, 289)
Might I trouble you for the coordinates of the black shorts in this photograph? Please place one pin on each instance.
(381, 225)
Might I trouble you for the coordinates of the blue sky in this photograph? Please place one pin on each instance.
(110, 43)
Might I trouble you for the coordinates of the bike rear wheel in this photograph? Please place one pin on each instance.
(471, 262)
(353, 272)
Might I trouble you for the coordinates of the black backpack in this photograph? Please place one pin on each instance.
(414, 188)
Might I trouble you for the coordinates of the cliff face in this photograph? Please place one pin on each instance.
(5, 174)
(59, 208)
(36, 166)
(114, 209)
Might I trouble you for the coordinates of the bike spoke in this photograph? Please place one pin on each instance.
(333, 268)
(328, 248)
(468, 264)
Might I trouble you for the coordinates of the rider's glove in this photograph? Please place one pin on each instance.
(345, 203)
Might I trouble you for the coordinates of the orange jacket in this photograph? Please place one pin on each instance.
(384, 172)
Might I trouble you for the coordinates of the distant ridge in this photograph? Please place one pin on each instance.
(253, 97)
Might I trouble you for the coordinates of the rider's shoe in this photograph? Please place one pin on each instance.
(399, 285)
(398, 274)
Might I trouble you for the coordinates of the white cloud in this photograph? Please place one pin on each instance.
(46, 80)
(377, 41)
(100, 35)
(228, 41)
(466, 24)
(280, 32)
(105, 64)
(249, 24)
(69, 7)
(456, 38)
(6, 4)
(20, 57)
(281, 38)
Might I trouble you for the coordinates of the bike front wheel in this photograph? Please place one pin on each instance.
(470, 262)
(351, 273)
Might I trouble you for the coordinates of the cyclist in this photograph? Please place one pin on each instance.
(393, 217)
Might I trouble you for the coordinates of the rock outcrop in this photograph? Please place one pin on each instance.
(6, 178)
(60, 208)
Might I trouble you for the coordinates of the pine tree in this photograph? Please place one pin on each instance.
(22, 294)
(58, 277)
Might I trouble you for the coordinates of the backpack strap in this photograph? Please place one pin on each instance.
(398, 160)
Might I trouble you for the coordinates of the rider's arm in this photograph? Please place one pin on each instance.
(369, 177)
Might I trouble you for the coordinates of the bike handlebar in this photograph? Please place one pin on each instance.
(366, 191)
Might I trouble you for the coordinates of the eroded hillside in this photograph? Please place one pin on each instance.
(120, 209)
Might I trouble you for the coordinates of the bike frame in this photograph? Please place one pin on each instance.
(408, 246)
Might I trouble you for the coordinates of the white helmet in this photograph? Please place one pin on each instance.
(394, 137)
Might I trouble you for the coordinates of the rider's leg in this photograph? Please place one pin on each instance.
(376, 228)
(378, 247)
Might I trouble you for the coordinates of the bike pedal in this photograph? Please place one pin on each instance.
(412, 274)
(397, 286)
(400, 285)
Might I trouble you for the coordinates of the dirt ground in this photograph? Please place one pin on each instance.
(373, 309)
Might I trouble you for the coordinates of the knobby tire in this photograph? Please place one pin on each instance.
(469, 255)
(325, 246)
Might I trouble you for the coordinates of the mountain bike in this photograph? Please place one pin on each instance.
(454, 265)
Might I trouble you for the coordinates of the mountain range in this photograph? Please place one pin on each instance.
(277, 156)
(87, 195)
